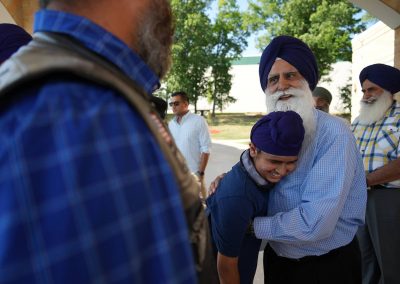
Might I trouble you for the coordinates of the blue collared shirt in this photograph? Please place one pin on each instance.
(86, 196)
(319, 206)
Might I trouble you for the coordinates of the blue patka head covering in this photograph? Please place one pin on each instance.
(385, 76)
(12, 37)
(294, 51)
(279, 133)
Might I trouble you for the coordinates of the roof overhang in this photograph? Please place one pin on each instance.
(388, 11)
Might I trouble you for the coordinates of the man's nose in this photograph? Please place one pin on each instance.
(283, 84)
(367, 95)
(281, 169)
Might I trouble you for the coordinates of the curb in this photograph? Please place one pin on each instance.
(241, 144)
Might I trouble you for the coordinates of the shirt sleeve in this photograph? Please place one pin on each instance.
(325, 192)
(204, 137)
(230, 218)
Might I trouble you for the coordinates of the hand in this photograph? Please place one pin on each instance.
(214, 184)
(203, 191)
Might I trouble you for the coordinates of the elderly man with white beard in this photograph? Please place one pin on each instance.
(377, 130)
(313, 213)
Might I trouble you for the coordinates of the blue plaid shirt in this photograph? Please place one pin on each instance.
(86, 195)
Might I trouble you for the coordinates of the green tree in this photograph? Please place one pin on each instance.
(228, 42)
(191, 49)
(345, 96)
(325, 25)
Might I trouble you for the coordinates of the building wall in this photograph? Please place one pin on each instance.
(338, 78)
(247, 90)
(5, 16)
(20, 11)
(375, 45)
(397, 48)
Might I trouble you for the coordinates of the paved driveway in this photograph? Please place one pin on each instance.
(223, 156)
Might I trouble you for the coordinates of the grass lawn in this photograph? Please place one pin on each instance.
(231, 126)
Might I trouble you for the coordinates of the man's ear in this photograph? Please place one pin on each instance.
(253, 150)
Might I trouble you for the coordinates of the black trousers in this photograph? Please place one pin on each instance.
(339, 266)
(379, 238)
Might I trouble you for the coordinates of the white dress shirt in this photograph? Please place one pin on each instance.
(192, 138)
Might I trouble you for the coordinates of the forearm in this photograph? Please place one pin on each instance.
(387, 173)
(294, 227)
(228, 270)
(203, 161)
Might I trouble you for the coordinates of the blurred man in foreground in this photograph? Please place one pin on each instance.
(92, 188)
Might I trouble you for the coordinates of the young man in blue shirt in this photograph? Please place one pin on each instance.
(276, 140)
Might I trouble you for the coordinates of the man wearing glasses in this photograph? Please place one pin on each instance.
(191, 135)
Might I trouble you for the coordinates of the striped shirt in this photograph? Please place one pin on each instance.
(192, 138)
(319, 206)
(379, 142)
(86, 195)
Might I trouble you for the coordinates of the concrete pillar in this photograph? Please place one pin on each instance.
(22, 11)
(397, 47)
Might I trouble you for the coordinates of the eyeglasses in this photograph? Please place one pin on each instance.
(174, 104)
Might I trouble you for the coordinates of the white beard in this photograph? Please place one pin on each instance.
(375, 110)
(300, 102)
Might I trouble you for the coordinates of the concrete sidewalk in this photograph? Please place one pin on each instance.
(241, 144)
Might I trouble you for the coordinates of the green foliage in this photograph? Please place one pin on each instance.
(191, 48)
(203, 51)
(345, 96)
(228, 42)
(325, 25)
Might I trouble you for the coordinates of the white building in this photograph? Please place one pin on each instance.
(246, 87)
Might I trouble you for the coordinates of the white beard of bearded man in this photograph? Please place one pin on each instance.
(374, 108)
(300, 101)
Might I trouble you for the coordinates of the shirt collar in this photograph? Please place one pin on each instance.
(184, 117)
(100, 41)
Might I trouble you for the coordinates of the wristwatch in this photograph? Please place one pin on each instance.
(200, 174)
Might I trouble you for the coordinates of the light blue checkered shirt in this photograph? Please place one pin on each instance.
(319, 206)
(86, 196)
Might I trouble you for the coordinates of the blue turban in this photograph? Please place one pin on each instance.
(295, 52)
(385, 76)
(12, 37)
(279, 133)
